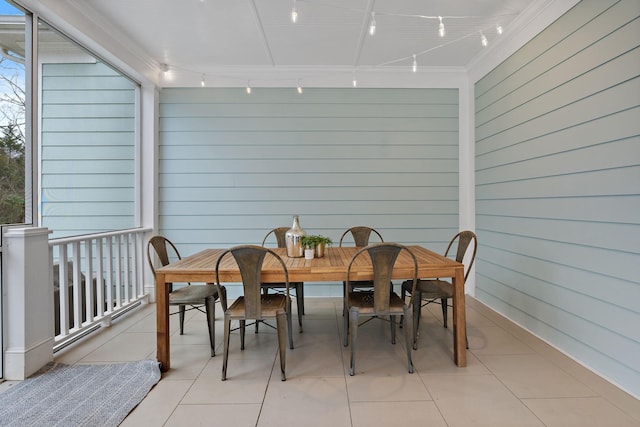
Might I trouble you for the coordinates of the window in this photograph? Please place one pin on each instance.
(12, 115)
(88, 140)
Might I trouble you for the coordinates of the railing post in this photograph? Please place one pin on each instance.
(29, 302)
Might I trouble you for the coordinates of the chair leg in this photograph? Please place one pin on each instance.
(443, 303)
(392, 322)
(223, 298)
(243, 323)
(417, 299)
(181, 308)
(210, 308)
(281, 324)
(300, 295)
(225, 356)
(345, 316)
(354, 314)
(408, 336)
(289, 324)
(300, 303)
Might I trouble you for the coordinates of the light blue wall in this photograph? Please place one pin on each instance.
(87, 149)
(558, 187)
(233, 166)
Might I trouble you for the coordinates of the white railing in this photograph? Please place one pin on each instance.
(103, 277)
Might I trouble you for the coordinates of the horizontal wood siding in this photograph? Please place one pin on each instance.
(558, 187)
(233, 166)
(88, 149)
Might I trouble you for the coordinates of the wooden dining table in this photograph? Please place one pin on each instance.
(200, 267)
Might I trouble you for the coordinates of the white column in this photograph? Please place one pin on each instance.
(28, 302)
(467, 169)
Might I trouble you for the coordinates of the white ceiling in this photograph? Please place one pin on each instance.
(241, 40)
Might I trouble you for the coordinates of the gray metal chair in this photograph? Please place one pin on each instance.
(279, 234)
(439, 291)
(361, 235)
(381, 301)
(254, 304)
(194, 296)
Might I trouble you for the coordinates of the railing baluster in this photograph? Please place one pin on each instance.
(63, 290)
(118, 247)
(126, 269)
(88, 281)
(77, 286)
(109, 267)
(99, 279)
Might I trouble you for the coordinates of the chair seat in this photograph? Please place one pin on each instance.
(272, 304)
(430, 289)
(194, 294)
(364, 302)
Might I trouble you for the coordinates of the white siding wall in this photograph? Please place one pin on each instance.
(88, 149)
(558, 187)
(233, 166)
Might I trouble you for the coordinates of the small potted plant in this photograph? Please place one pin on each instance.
(317, 242)
(309, 244)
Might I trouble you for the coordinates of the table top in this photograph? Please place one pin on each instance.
(331, 267)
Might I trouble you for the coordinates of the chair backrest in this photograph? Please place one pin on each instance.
(250, 259)
(464, 238)
(361, 235)
(164, 249)
(280, 234)
(383, 258)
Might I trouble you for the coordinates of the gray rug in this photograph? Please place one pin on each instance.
(78, 395)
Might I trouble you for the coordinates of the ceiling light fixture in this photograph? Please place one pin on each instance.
(415, 63)
(372, 24)
(483, 40)
(164, 68)
(441, 30)
(294, 13)
(299, 87)
(248, 88)
(499, 29)
(354, 82)
(202, 83)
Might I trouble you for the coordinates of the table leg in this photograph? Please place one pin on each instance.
(162, 322)
(459, 320)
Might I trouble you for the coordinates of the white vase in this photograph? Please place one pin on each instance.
(308, 253)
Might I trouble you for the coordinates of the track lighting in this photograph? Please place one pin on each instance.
(441, 31)
(248, 89)
(499, 29)
(202, 83)
(415, 63)
(372, 24)
(354, 82)
(294, 13)
(483, 40)
(299, 89)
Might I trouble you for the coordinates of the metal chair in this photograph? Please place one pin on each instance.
(279, 234)
(381, 301)
(432, 290)
(194, 296)
(254, 304)
(360, 235)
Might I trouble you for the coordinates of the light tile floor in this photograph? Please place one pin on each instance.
(512, 378)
